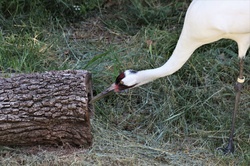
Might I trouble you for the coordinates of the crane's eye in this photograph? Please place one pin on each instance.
(121, 82)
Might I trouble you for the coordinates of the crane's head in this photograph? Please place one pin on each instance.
(124, 80)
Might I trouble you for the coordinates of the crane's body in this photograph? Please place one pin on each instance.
(206, 21)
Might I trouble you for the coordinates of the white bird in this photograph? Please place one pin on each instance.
(206, 21)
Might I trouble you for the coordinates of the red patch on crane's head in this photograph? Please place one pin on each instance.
(119, 78)
(119, 85)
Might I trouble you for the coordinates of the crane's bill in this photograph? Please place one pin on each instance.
(102, 94)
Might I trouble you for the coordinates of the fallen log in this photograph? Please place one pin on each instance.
(48, 108)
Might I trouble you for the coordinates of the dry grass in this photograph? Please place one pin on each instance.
(115, 147)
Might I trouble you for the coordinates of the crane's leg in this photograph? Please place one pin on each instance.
(238, 87)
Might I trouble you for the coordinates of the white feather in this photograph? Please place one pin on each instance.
(206, 21)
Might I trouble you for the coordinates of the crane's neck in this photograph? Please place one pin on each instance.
(181, 54)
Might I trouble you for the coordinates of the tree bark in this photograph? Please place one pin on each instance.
(46, 108)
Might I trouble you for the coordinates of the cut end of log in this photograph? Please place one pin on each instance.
(46, 108)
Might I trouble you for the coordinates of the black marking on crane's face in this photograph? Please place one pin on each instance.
(133, 71)
(119, 84)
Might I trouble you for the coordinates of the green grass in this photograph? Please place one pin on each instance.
(179, 119)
